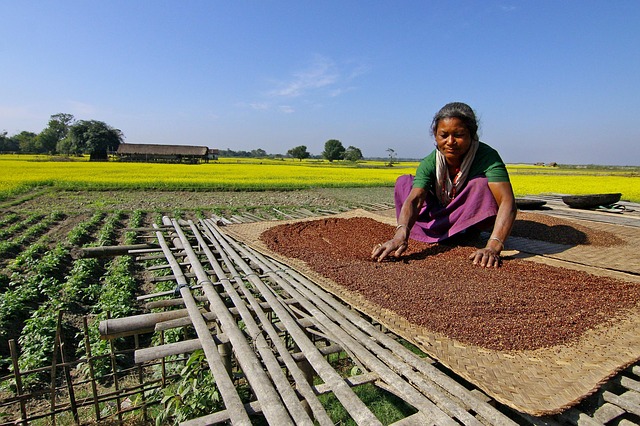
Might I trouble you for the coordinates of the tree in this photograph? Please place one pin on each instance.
(28, 142)
(353, 154)
(333, 150)
(259, 153)
(66, 147)
(299, 152)
(8, 144)
(57, 130)
(392, 157)
(94, 138)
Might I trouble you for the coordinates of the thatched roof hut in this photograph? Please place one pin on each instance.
(165, 153)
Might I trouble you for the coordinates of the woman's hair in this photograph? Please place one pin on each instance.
(458, 110)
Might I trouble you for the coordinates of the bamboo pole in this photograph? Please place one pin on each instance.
(154, 295)
(262, 386)
(186, 321)
(141, 380)
(172, 302)
(219, 417)
(163, 364)
(87, 347)
(237, 412)
(136, 324)
(70, 389)
(361, 347)
(296, 409)
(354, 405)
(16, 374)
(116, 384)
(59, 346)
(54, 361)
(106, 251)
(156, 352)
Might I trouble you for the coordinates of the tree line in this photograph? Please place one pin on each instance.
(66, 135)
(333, 150)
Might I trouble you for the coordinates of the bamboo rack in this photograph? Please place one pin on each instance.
(288, 326)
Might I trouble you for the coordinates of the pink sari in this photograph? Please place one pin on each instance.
(474, 205)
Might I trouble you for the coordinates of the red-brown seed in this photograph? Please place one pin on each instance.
(522, 305)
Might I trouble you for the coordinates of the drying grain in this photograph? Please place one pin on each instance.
(521, 305)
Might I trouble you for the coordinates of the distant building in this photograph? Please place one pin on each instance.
(156, 153)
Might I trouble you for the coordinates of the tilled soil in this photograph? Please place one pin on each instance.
(90, 201)
(521, 305)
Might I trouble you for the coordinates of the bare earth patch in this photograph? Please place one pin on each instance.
(189, 200)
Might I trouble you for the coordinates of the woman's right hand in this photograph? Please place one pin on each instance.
(395, 246)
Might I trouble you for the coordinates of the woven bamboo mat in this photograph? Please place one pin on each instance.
(620, 257)
(537, 382)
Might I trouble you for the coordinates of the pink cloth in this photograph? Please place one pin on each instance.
(473, 205)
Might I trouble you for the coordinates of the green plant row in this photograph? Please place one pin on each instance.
(30, 228)
(32, 297)
(19, 226)
(116, 298)
(9, 219)
(109, 231)
(37, 229)
(40, 287)
(82, 231)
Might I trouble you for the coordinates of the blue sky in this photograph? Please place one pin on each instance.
(550, 80)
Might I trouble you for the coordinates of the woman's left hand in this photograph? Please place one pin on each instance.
(486, 258)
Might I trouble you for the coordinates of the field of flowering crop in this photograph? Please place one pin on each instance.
(21, 173)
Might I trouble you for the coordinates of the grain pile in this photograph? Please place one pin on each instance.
(522, 305)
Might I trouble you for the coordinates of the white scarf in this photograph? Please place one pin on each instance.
(446, 190)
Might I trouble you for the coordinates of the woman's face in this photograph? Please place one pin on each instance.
(452, 139)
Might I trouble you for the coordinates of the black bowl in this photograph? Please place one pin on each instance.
(591, 200)
(529, 203)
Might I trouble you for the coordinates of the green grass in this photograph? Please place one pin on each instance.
(387, 407)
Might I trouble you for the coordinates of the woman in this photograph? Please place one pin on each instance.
(462, 184)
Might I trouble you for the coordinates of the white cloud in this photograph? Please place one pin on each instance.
(260, 106)
(321, 78)
(358, 70)
(321, 73)
(287, 109)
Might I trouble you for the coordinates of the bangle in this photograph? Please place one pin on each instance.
(498, 240)
(405, 242)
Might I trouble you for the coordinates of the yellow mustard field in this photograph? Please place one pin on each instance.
(577, 185)
(20, 173)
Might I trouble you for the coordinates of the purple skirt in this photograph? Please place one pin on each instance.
(474, 205)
